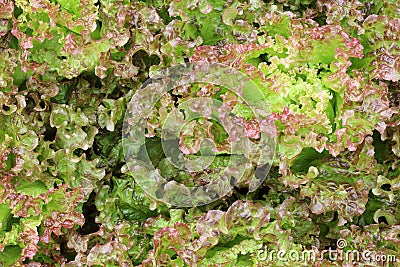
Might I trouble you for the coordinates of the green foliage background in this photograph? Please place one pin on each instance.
(329, 69)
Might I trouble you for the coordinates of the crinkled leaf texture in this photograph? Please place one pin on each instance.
(329, 71)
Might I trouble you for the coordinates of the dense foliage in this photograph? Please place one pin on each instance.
(329, 70)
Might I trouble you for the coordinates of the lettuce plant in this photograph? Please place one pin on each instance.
(328, 71)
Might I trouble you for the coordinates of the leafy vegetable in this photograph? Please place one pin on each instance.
(328, 70)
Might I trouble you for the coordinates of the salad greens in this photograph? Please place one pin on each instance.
(329, 71)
